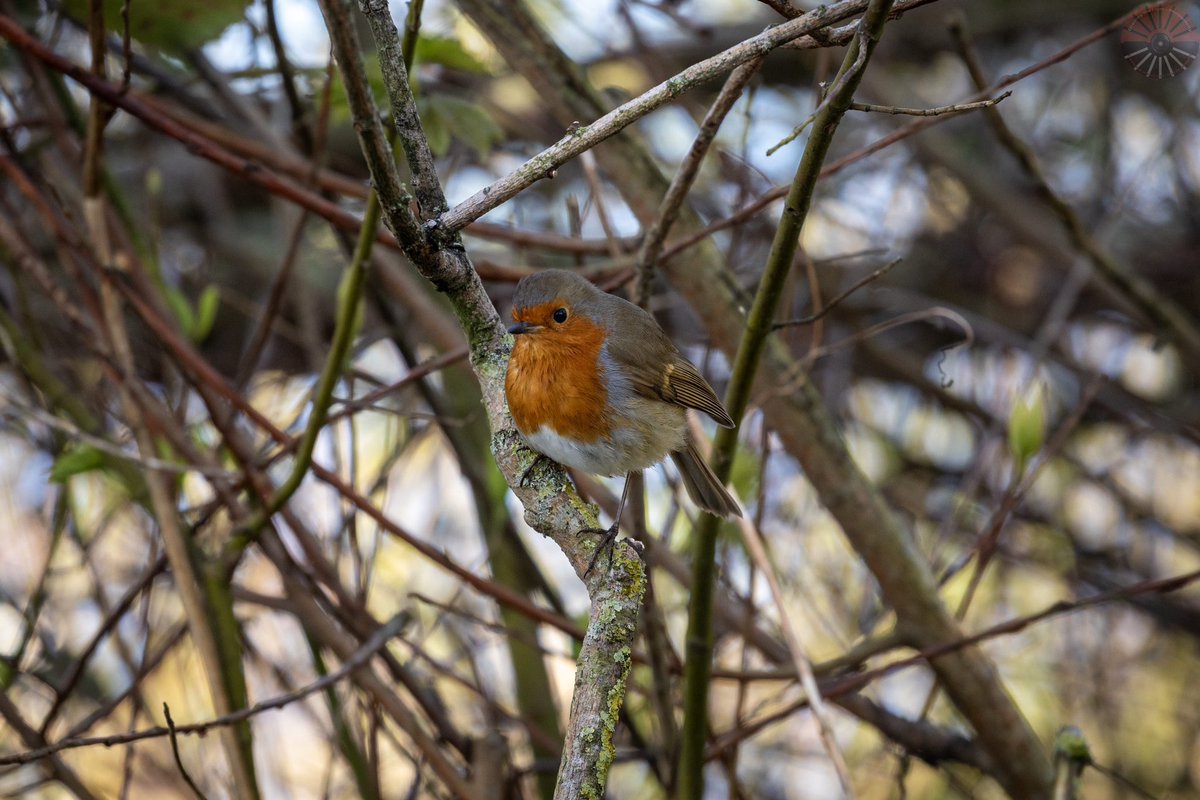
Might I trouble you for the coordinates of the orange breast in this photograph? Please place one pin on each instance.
(553, 380)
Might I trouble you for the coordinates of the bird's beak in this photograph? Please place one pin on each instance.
(522, 327)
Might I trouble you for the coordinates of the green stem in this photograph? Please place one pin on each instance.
(345, 328)
(699, 645)
(349, 297)
(412, 27)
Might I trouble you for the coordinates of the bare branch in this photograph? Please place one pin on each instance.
(835, 302)
(174, 734)
(369, 648)
(586, 137)
(604, 659)
(937, 111)
(1154, 305)
(681, 184)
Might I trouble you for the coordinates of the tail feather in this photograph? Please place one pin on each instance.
(702, 485)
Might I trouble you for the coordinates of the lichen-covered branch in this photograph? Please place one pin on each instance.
(551, 504)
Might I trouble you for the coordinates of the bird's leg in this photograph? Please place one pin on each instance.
(608, 543)
(539, 458)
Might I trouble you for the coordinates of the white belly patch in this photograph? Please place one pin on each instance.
(639, 441)
(598, 458)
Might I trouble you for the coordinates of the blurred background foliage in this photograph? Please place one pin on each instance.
(1001, 310)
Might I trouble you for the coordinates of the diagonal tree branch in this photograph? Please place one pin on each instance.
(583, 138)
(805, 425)
(551, 506)
(1157, 307)
(681, 184)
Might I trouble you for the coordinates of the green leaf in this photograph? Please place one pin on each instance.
(206, 312)
(447, 52)
(466, 121)
(1027, 425)
(1071, 745)
(76, 461)
(182, 309)
(174, 25)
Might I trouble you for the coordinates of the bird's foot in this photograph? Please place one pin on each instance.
(538, 459)
(607, 543)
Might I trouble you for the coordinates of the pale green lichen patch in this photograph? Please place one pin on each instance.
(633, 589)
(615, 698)
(489, 357)
(586, 510)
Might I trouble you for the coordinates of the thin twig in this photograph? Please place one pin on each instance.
(879, 273)
(24, 413)
(800, 659)
(934, 312)
(31, 738)
(348, 318)
(269, 315)
(745, 366)
(173, 733)
(937, 111)
(207, 376)
(126, 46)
(349, 407)
(853, 73)
(592, 175)
(685, 176)
(369, 648)
(435, 250)
(913, 128)
(989, 540)
(588, 136)
(839, 687)
(1122, 781)
(287, 76)
(201, 600)
(1157, 307)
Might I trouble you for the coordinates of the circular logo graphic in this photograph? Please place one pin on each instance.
(1160, 42)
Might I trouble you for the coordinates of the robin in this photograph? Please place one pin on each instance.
(595, 384)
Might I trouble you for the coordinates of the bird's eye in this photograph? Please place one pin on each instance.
(560, 315)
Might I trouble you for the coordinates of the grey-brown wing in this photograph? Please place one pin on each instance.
(683, 384)
(641, 354)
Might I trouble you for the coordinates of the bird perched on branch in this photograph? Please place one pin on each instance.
(595, 384)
